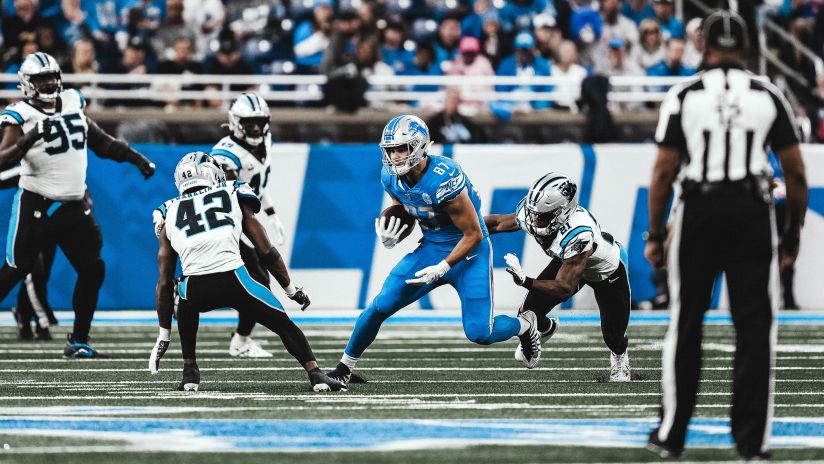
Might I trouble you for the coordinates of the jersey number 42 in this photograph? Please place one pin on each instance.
(191, 221)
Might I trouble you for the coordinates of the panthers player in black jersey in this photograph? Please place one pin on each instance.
(49, 134)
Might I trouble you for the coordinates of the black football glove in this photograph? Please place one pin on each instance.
(300, 297)
(43, 127)
(147, 168)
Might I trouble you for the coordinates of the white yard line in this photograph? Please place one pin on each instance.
(405, 369)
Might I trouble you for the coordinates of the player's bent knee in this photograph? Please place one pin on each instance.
(480, 334)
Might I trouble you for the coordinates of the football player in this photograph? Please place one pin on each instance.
(246, 154)
(49, 134)
(455, 249)
(204, 228)
(581, 254)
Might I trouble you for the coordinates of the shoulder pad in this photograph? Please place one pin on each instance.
(72, 100)
(450, 183)
(246, 194)
(10, 116)
(577, 241)
(159, 218)
(223, 154)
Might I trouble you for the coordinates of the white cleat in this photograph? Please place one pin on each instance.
(619, 367)
(554, 323)
(249, 349)
(530, 340)
(190, 387)
(321, 387)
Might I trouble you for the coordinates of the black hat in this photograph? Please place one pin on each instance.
(726, 30)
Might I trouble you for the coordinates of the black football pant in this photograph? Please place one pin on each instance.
(734, 235)
(245, 322)
(235, 289)
(32, 297)
(612, 295)
(37, 221)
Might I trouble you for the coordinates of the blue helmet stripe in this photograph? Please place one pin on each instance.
(392, 127)
(251, 102)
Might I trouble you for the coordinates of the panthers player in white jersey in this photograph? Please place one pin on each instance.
(204, 227)
(49, 134)
(582, 254)
(246, 154)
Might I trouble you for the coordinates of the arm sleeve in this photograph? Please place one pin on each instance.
(784, 131)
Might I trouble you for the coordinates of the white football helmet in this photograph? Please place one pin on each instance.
(34, 73)
(550, 202)
(407, 131)
(247, 110)
(197, 169)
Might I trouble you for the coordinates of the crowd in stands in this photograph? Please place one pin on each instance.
(348, 40)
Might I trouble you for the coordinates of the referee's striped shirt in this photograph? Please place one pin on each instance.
(722, 121)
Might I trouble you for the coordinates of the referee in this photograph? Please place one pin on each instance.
(713, 134)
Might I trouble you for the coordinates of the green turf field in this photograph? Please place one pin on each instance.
(420, 378)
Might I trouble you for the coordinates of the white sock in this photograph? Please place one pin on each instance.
(240, 339)
(349, 361)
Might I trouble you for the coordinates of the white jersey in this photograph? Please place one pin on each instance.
(55, 166)
(580, 234)
(255, 172)
(205, 226)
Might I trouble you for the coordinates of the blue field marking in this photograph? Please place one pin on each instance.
(382, 435)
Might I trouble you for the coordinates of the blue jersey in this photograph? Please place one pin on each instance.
(443, 181)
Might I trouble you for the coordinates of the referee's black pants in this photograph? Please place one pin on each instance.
(235, 289)
(734, 235)
(37, 221)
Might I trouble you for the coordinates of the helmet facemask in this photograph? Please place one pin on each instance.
(45, 87)
(253, 130)
(249, 119)
(400, 165)
(404, 133)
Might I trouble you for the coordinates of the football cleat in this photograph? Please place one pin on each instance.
(341, 373)
(42, 333)
(191, 378)
(663, 451)
(619, 367)
(249, 349)
(23, 327)
(323, 383)
(554, 323)
(530, 340)
(77, 350)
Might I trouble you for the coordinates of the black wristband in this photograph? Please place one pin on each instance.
(270, 258)
(528, 283)
(654, 237)
(269, 211)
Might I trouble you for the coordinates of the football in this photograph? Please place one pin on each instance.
(399, 212)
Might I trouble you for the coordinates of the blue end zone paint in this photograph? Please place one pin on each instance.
(387, 435)
(588, 176)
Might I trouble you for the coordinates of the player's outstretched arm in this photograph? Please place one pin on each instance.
(462, 214)
(164, 299)
(565, 283)
(795, 178)
(109, 147)
(496, 223)
(270, 257)
(15, 143)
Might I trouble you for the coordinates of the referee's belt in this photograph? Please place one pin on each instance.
(755, 186)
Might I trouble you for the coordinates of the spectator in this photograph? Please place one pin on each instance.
(495, 44)
(134, 61)
(814, 108)
(694, 49)
(585, 26)
(76, 22)
(228, 61)
(638, 10)
(672, 64)
(568, 68)
(424, 65)
(205, 18)
(525, 62)
(27, 48)
(84, 60)
(472, 24)
(49, 42)
(449, 34)
(143, 18)
(517, 15)
(548, 36)
(470, 62)
(311, 39)
(615, 25)
(368, 19)
(345, 37)
(651, 50)
(393, 51)
(449, 126)
(182, 61)
(619, 64)
(670, 25)
(170, 30)
(368, 58)
(21, 28)
(346, 86)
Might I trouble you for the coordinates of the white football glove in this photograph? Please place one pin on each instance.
(513, 267)
(390, 233)
(160, 347)
(430, 274)
(278, 231)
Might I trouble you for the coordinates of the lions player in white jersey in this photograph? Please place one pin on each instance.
(246, 154)
(582, 254)
(49, 135)
(204, 227)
